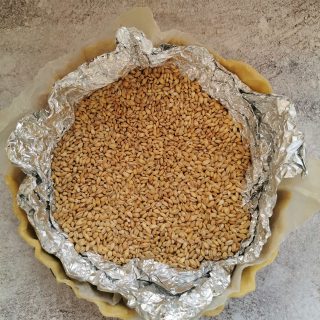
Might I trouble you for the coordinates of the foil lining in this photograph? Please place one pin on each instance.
(156, 290)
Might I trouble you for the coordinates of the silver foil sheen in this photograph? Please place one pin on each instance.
(156, 290)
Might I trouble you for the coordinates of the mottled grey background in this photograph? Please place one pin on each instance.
(281, 39)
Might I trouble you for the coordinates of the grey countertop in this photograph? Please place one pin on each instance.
(281, 39)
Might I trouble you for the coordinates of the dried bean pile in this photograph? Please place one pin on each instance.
(152, 168)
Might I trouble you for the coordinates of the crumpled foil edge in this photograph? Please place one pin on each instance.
(156, 290)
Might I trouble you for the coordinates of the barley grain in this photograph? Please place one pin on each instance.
(152, 168)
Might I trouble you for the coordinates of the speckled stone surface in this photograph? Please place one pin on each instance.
(279, 38)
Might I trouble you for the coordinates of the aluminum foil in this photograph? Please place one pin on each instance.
(156, 290)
